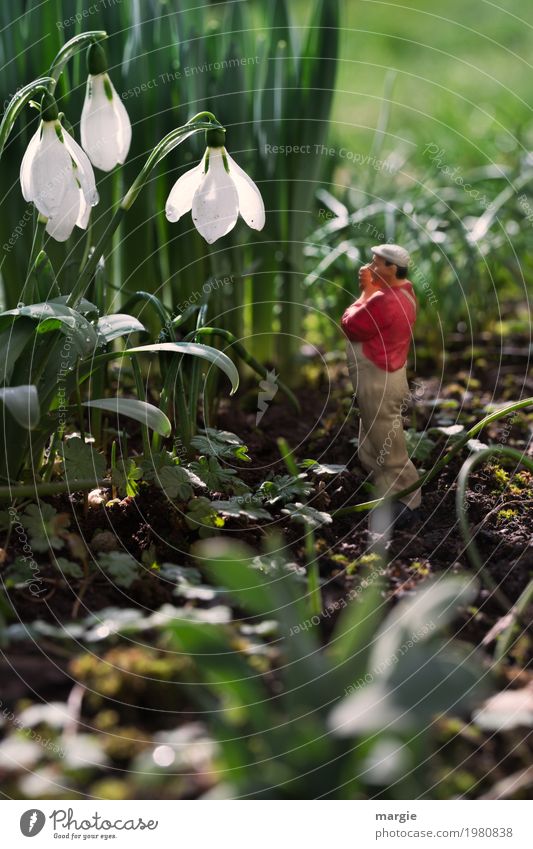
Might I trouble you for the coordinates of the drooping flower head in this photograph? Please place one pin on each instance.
(56, 175)
(105, 125)
(216, 190)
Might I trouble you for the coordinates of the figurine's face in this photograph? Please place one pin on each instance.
(383, 272)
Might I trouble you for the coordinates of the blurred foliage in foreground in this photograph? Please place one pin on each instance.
(277, 716)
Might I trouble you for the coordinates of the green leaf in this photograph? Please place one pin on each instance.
(352, 639)
(177, 574)
(55, 316)
(284, 488)
(82, 461)
(307, 515)
(69, 568)
(235, 507)
(43, 523)
(419, 445)
(85, 307)
(429, 679)
(125, 476)
(112, 326)
(12, 342)
(19, 574)
(23, 404)
(322, 468)
(141, 411)
(228, 564)
(193, 348)
(175, 483)
(120, 567)
(215, 476)
(431, 608)
(220, 443)
(201, 516)
(173, 478)
(412, 674)
(43, 278)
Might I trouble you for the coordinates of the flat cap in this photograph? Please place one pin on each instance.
(393, 253)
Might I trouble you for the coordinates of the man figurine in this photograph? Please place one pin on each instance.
(378, 327)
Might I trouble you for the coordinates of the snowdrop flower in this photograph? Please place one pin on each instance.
(105, 126)
(57, 176)
(216, 190)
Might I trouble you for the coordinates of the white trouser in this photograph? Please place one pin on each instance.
(382, 397)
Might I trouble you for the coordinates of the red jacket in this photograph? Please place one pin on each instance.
(384, 325)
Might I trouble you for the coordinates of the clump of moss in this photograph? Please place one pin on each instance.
(132, 674)
(500, 477)
(421, 567)
(364, 560)
(522, 484)
(505, 515)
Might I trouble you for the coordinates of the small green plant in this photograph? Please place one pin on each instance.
(280, 489)
(330, 754)
(500, 477)
(365, 560)
(505, 515)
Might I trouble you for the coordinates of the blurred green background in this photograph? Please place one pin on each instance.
(454, 77)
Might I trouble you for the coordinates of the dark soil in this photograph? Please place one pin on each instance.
(151, 527)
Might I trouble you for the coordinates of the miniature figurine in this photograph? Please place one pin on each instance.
(378, 327)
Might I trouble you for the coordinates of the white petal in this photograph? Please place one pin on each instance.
(83, 170)
(26, 164)
(84, 213)
(123, 127)
(215, 206)
(251, 205)
(182, 192)
(61, 225)
(51, 171)
(105, 126)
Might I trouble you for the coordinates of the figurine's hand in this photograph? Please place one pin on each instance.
(365, 277)
(368, 282)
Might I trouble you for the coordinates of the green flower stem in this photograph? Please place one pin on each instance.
(287, 456)
(172, 140)
(37, 245)
(470, 547)
(38, 490)
(184, 414)
(79, 42)
(90, 266)
(142, 397)
(113, 466)
(164, 399)
(81, 416)
(431, 473)
(148, 297)
(313, 583)
(173, 376)
(17, 104)
(165, 146)
(49, 467)
(241, 351)
(517, 611)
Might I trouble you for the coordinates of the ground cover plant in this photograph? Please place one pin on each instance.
(192, 603)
